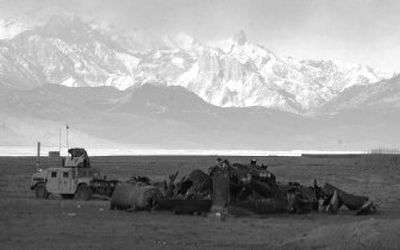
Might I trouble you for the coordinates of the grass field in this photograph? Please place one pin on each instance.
(28, 223)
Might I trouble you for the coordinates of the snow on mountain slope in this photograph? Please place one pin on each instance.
(69, 52)
(230, 73)
(9, 28)
(239, 73)
(380, 97)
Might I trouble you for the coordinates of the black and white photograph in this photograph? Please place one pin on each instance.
(199, 124)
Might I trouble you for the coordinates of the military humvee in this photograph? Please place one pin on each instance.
(74, 179)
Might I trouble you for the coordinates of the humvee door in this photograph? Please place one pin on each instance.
(65, 181)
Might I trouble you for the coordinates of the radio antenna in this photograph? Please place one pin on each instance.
(59, 140)
(38, 157)
(67, 128)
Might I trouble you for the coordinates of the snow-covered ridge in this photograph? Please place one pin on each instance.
(231, 73)
(9, 28)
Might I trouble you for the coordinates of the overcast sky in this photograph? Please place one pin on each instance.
(363, 31)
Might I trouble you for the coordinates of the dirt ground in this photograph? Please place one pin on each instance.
(28, 223)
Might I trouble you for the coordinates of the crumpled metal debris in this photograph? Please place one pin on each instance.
(253, 187)
(234, 187)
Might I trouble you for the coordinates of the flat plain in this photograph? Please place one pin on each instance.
(29, 223)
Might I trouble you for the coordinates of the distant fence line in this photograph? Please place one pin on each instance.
(384, 156)
(380, 157)
(384, 151)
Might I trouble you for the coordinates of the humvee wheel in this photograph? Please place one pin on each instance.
(41, 191)
(83, 192)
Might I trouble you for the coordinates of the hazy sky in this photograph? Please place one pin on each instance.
(363, 31)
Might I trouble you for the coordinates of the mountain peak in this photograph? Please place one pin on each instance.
(240, 38)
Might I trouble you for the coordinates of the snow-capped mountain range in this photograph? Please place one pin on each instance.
(231, 73)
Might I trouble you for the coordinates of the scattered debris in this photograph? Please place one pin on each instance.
(367, 208)
(234, 187)
(135, 196)
(352, 202)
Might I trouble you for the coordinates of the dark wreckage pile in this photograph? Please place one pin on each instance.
(234, 189)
